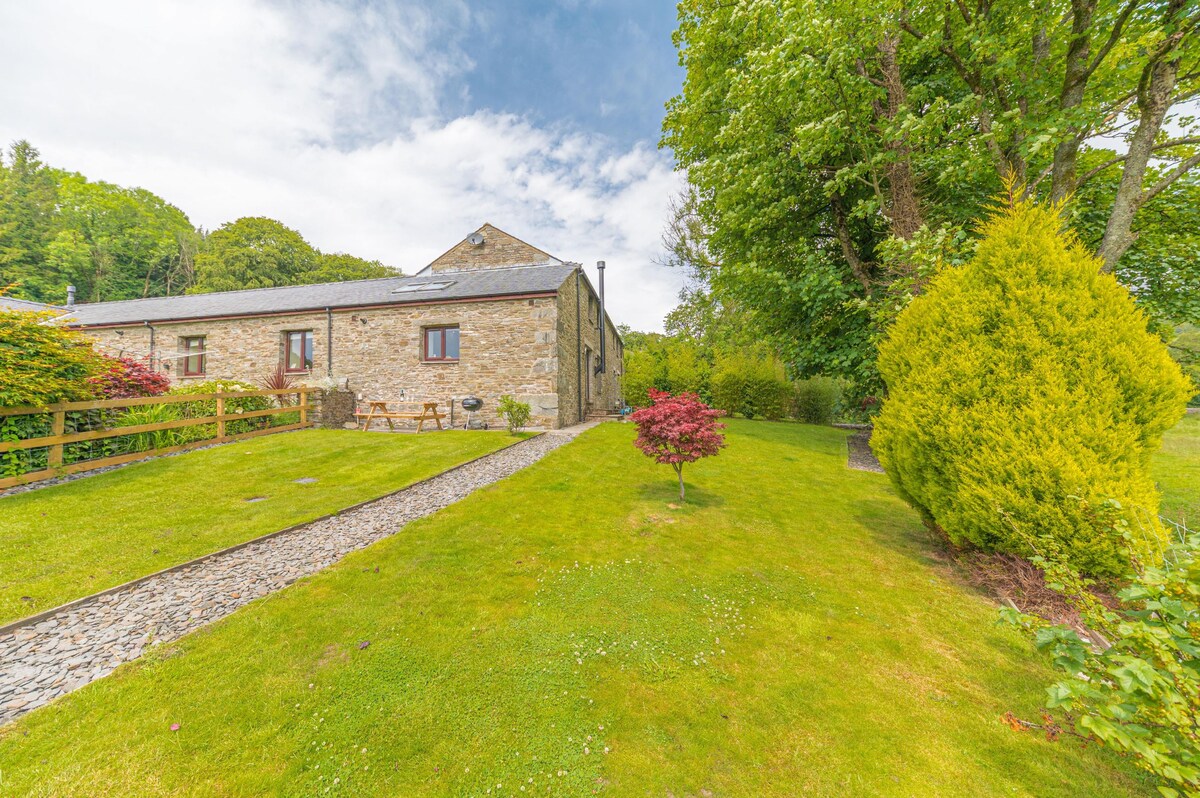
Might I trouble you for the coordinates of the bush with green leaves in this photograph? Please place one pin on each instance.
(155, 439)
(750, 385)
(1134, 685)
(667, 364)
(1020, 381)
(816, 400)
(516, 414)
(204, 408)
(1185, 349)
(642, 372)
(42, 362)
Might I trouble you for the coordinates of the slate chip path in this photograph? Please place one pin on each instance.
(860, 456)
(84, 642)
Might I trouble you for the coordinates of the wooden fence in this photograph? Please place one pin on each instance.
(58, 436)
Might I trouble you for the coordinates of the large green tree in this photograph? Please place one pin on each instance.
(252, 252)
(28, 195)
(117, 243)
(256, 252)
(339, 266)
(59, 229)
(842, 151)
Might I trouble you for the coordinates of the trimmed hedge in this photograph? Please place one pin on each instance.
(1024, 390)
(751, 387)
(816, 400)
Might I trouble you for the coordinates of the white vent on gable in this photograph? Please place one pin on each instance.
(414, 287)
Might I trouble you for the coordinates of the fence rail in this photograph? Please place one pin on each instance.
(59, 437)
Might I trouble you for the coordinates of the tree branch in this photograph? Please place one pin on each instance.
(1114, 161)
(841, 228)
(1113, 38)
(1172, 176)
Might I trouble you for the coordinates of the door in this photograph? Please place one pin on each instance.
(589, 370)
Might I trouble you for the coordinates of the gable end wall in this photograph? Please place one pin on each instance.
(573, 352)
(498, 250)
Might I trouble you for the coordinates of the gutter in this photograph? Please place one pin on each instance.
(150, 327)
(329, 342)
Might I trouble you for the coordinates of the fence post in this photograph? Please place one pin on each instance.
(220, 416)
(58, 428)
(304, 407)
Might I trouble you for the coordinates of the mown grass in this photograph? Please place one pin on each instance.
(1177, 471)
(569, 631)
(66, 541)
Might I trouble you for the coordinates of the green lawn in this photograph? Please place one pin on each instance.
(1177, 470)
(63, 542)
(568, 632)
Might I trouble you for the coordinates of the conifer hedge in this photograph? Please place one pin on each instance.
(1023, 390)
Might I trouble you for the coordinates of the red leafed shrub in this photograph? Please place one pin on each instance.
(127, 378)
(678, 429)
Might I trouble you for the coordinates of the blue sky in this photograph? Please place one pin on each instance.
(388, 130)
(602, 66)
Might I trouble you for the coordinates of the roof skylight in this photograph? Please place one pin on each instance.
(414, 287)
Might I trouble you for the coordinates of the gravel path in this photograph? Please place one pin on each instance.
(84, 642)
(861, 457)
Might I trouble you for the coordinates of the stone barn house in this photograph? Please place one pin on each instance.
(492, 316)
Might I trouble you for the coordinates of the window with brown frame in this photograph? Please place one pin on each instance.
(297, 351)
(440, 345)
(194, 361)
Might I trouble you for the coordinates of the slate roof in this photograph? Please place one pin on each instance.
(12, 303)
(507, 281)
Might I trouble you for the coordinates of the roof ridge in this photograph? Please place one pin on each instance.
(486, 269)
(4, 298)
(244, 290)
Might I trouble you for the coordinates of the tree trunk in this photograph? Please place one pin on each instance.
(1155, 89)
(679, 471)
(1079, 52)
(841, 228)
(904, 211)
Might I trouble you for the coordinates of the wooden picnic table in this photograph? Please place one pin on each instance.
(380, 410)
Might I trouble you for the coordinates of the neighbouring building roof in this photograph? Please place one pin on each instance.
(442, 286)
(12, 303)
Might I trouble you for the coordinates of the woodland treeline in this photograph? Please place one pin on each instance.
(58, 228)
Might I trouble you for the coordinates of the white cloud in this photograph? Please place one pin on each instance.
(329, 120)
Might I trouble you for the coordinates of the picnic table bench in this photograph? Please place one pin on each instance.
(380, 410)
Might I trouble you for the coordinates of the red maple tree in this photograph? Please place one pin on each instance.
(127, 378)
(678, 429)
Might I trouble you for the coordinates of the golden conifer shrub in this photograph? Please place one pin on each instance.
(1024, 390)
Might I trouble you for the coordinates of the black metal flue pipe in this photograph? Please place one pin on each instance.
(603, 360)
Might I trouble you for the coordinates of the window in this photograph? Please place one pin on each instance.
(441, 344)
(297, 351)
(194, 360)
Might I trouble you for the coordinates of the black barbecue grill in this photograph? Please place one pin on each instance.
(472, 404)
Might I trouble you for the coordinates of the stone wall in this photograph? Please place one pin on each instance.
(498, 250)
(506, 346)
(335, 409)
(578, 355)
